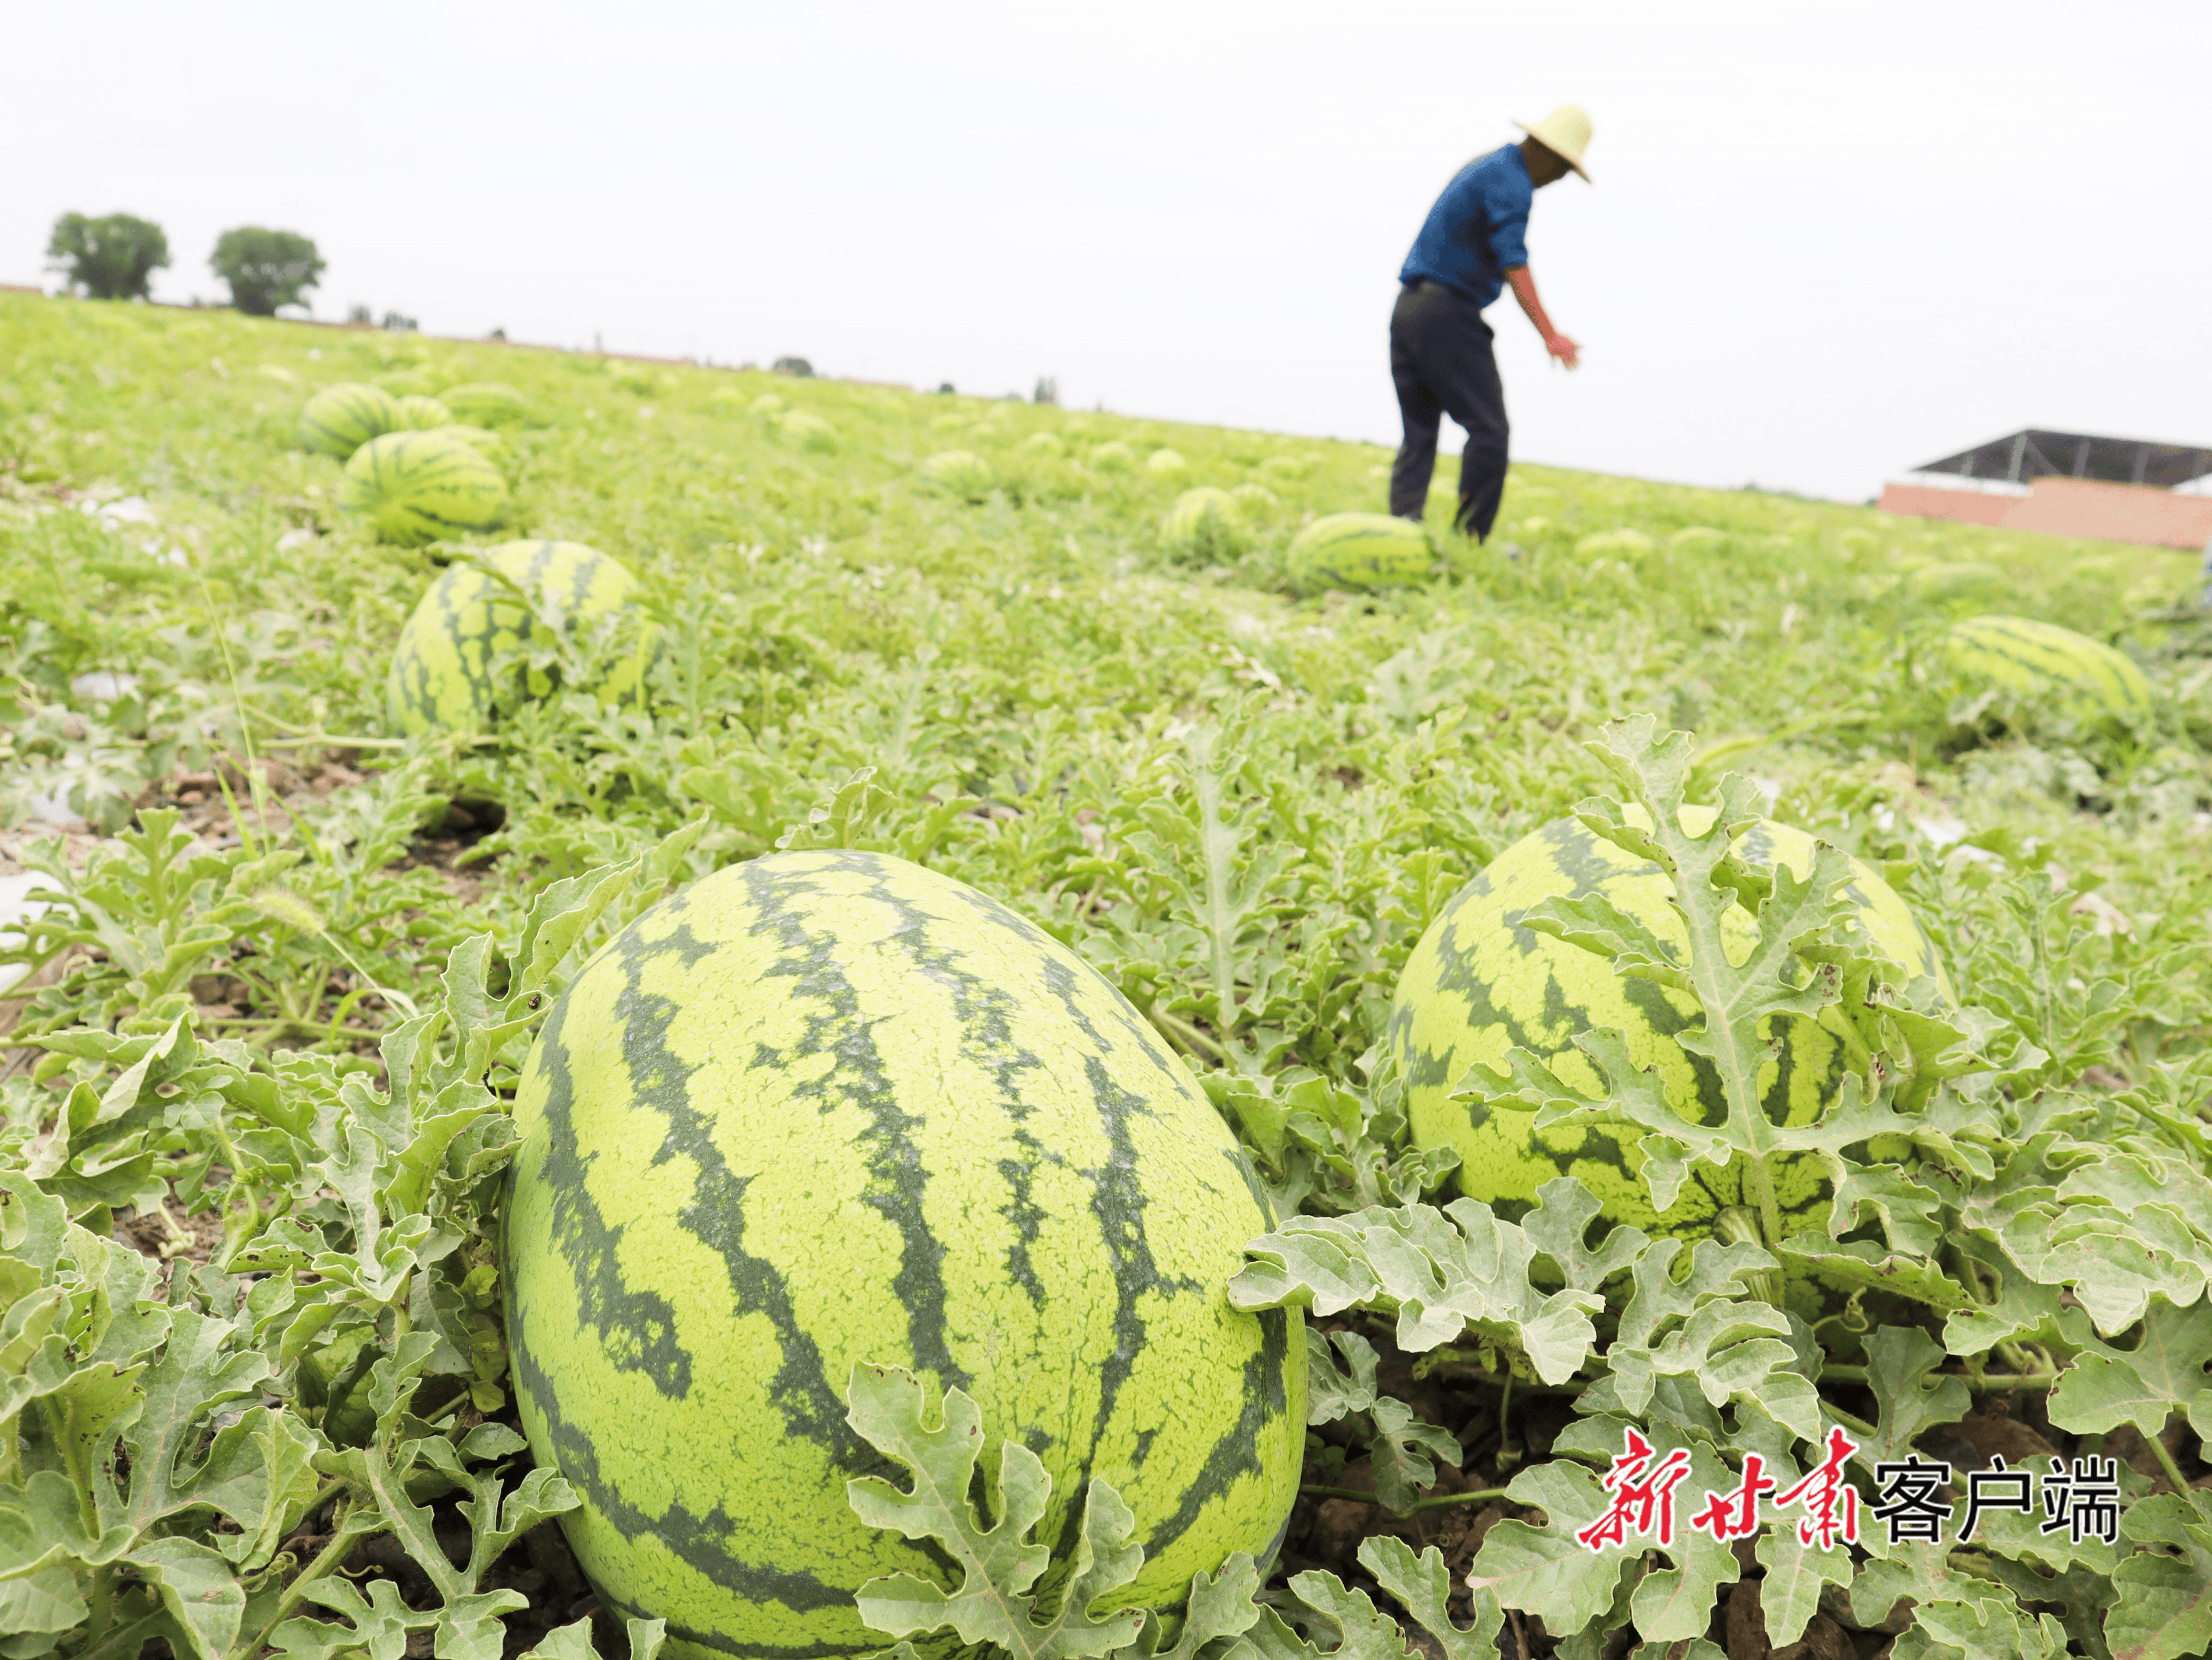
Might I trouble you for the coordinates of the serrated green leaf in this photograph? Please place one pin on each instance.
(1424, 1590)
(1705, 1328)
(998, 1565)
(2169, 1370)
(1898, 1361)
(204, 1602)
(1363, 1632)
(1402, 1453)
(1331, 1393)
(2163, 1606)
(1442, 1273)
(1544, 1571)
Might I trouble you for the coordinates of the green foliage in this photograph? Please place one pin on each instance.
(998, 1562)
(266, 269)
(111, 258)
(252, 1118)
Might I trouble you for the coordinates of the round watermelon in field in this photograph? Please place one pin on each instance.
(339, 419)
(485, 403)
(443, 670)
(1479, 984)
(2089, 677)
(830, 1109)
(1207, 523)
(421, 413)
(958, 473)
(415, 487)
(1359, 553)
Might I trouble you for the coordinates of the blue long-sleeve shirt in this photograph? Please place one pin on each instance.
(1476, 232)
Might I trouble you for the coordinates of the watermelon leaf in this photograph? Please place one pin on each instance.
(2168, 1370)
(1331, 1394)
(1401, 1451)
(999, 1564)
(1705, 1329)
(1420, 1583)
(1444, 1273)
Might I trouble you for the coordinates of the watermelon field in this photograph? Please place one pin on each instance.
(658, 1010)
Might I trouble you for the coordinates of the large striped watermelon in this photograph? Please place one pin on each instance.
(828, 1108)
(339, 419)
(485, 403)
(1359, 552)
(1478, 983)
(442, 670)
(2089, 677)
(419, 487)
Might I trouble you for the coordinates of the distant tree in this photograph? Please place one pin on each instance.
(946, 387)
(265, 268)
(798, 366)
(110, 259)
(360, 314)
(1048, 390)
(399, 323)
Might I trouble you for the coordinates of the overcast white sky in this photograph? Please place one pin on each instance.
(1825, 244)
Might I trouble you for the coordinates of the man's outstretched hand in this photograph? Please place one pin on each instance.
(1524, 290)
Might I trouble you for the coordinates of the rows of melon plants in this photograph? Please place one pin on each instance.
(662, 1010)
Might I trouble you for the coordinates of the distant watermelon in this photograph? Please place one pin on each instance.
(422, 487)
(1696, 539)
(339, 419)
(1479, 982)
(1255, 500)
(768, 404)
(1042, 444)
(1112, 456)
(1162, 462)
(808, 431)
(1206, 522)
(419, 413)
(822, 1109)
(2090, 678)
(482, 440)
(1621, 544)
(959, 472)
(1286, 466)
(1360, 552)
(1955, 578)
(486, 403)
(442, 668)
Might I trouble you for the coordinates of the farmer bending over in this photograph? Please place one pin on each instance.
(1440, 355)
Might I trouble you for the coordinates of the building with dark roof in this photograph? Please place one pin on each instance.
(2068, 484)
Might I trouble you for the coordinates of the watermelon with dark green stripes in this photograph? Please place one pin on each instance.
(339, 419)
(827, 1109)
(2089, 678)
(1206, 522)
(446, 668)
(421, 413)
(414, 488)
(1479, 984)
(1359, 553)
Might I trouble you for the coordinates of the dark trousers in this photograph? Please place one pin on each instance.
(1442, 362)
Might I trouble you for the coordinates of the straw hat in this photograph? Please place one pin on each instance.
(1566, 131)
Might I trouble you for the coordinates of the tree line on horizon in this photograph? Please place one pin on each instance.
(114, 257)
